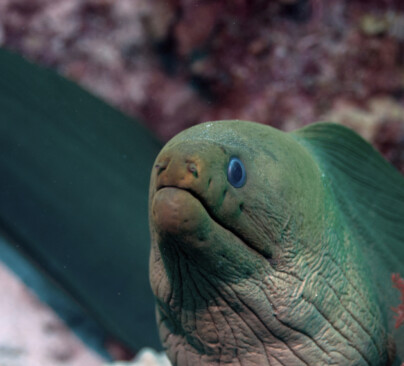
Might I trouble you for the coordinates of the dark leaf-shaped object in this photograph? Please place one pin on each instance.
(74, 177)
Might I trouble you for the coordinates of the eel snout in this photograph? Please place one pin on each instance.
(182, 192)
(186, 166)
(196, 168)
(177, 170)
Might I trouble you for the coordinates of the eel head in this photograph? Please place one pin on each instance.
(250, 263)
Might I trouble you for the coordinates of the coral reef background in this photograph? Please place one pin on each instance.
(175, 63)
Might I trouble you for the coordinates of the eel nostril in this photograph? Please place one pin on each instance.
(192, 169)
(160, 167)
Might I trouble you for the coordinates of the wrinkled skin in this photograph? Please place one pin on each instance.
(265, 274)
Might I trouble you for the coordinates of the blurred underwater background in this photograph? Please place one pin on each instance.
(74, 171)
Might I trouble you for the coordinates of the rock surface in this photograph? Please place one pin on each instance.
(146, 357)
(31, 334)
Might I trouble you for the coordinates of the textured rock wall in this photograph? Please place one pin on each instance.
(31, 334)
(176, 63)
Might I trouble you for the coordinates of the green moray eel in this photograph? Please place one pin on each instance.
(273, 248)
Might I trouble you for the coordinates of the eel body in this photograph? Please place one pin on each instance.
(273, 248)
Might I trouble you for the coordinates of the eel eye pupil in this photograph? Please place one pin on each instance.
(236, 174)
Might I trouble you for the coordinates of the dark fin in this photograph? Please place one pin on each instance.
(74, 177)
(369, 191)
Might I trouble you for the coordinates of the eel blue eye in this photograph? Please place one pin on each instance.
(236, 174)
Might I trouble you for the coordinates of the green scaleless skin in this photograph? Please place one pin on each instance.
(294, 267)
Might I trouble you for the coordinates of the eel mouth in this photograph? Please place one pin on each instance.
(194, 194)
(180, 210)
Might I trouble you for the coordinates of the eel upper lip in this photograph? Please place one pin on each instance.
(190, 191)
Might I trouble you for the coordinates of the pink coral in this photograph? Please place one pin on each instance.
(398, 283)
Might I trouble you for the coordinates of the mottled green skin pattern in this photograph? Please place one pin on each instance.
(267, 274)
